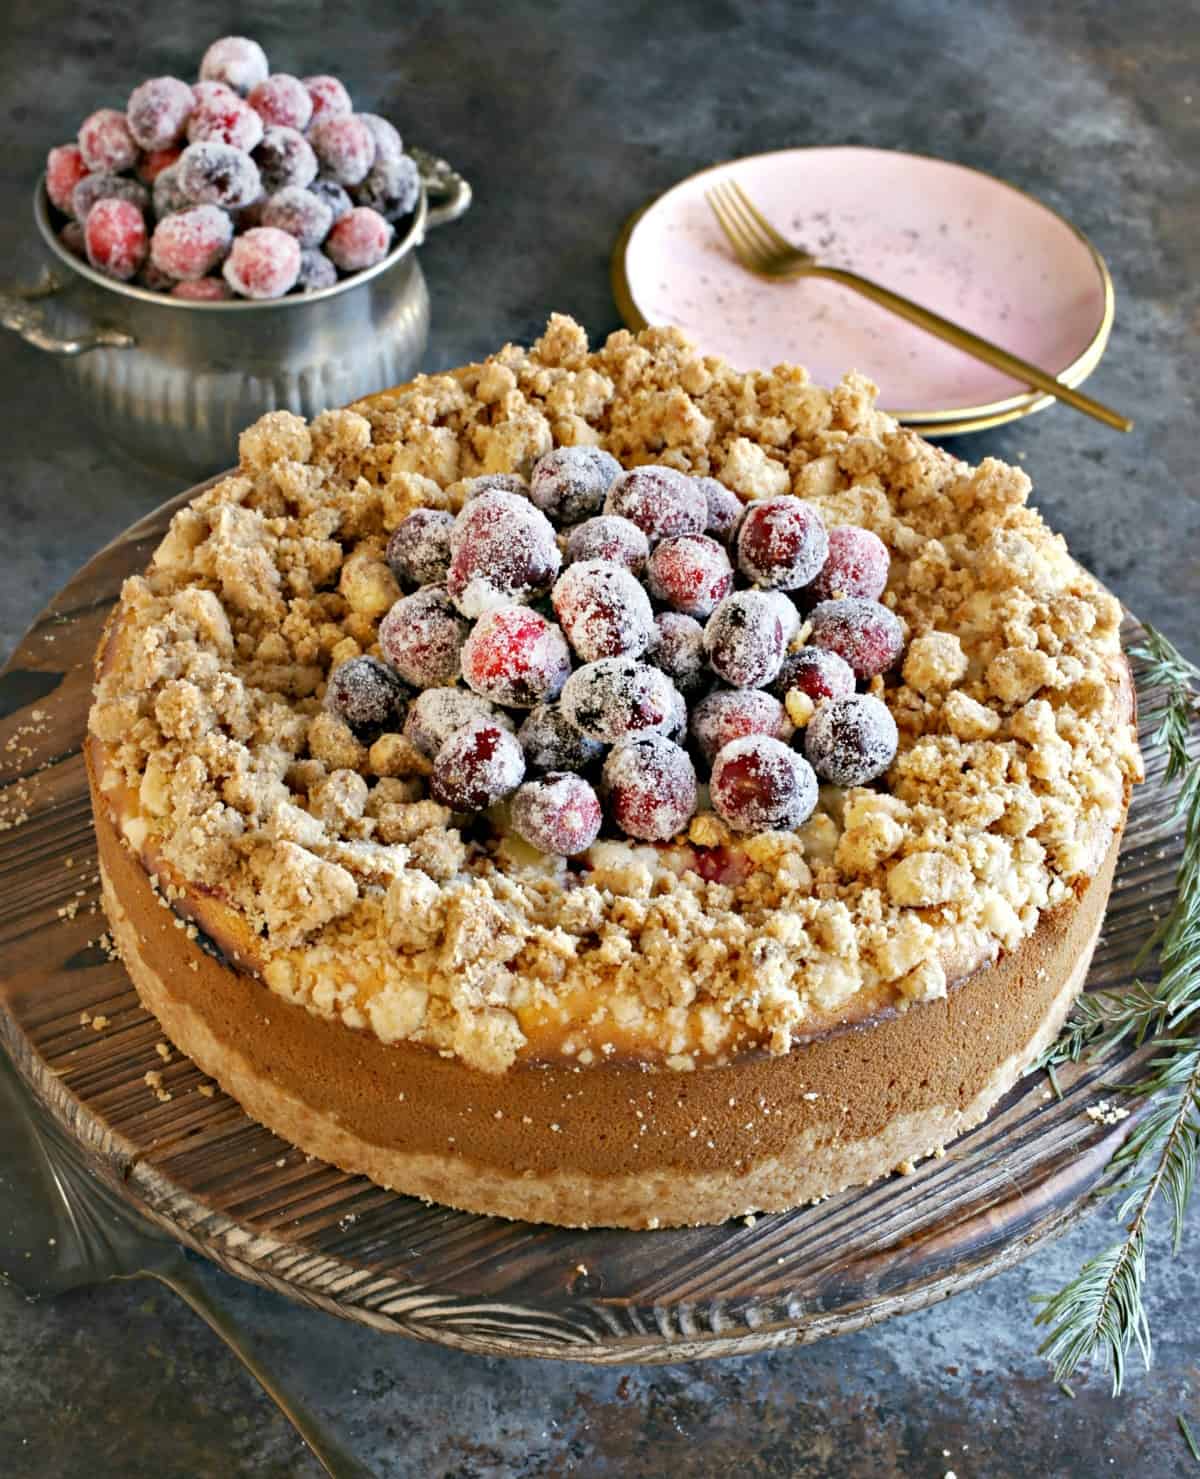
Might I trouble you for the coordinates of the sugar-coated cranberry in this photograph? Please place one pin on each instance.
(158, 111)
(733, 713)
(236, 61)
(476, 767)
(515, 657)
(191, 243)
(570, 483)
(551, 741)
(285, 157)
(506, 482)
(677, 647)
(758, 784)
(857, 565)
(419, 549)
(388, 143)
(651, 787)
(391, 186)
(345, 147)
(815, 671)
(660, 501)
(115, 236)
(744, 640)
(725, 508)
(849, 741)
(365, 692)
(557, 813)
(618, 696)
(360, 239)
(501, 549)
(225, 121)
(151, 165)
(282, 100)
(865, 633)
(207, 90)
(168, 191)
(106, 143)
(603, 609)
(102, 186)
(690, 573)
(609, 537)
(71, 237)
(211, 173)
(203, 290)
(437, 713)
(422, 637)
(333, 194)
(785, 609)
(64, 170)
(316, 271)
(329, 98)
(300, 213)
(264, 263)
(782, 543)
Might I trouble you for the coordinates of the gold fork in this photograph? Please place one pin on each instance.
(762, 250)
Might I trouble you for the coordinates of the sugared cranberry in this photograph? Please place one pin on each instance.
(865, 633)
(115, 236)
(71, 237)
(106, 143)
(724, 509)
(551, 741)
(329, 191)
(191, 243)
(437, 713)
(476, 767)
(360, 239)
(487, 482)
(207, 90)
(388, 143)
(660, 501)
(316, 271)
(285, 158)
(782, 543)
(857, 565)
(609, 537)
(733, 713)
(168, 192)
(744, 640)
(203, 290)
(282, 100)
(850, 741)
(603, 610)
(651, 787)
(815, 671)
(677, 647)
(501, 549)
(758, 784)
(557, 813)
(391, 186)
(236, 61)
(785, 609)
(225, 121)
(617, 696)
(365, 692)
(419, 549)
(264, 263)
(157, 112)
(97, 187)
(345, 147)
(690, 573)
(422, 637)
(151, 165)
(570, 483)
(329, 98)
(516, 657)
(64, 170)
(300, 213)
(211, 173)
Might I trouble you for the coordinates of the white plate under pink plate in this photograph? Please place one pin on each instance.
(968, 246)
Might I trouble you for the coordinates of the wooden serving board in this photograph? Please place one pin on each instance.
(263, 1210)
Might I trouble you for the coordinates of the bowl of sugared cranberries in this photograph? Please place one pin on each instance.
(230, 246)
(592, 652)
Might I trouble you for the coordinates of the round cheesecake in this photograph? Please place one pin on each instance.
(682, 1021)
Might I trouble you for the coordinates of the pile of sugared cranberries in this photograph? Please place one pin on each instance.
(246, 184)
(693, 637)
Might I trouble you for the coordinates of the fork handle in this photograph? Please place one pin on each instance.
(970, 343)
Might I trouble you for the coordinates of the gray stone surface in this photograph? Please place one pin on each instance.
(566, 118)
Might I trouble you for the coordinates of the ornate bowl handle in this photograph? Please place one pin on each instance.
(18, 313)
(443, 185)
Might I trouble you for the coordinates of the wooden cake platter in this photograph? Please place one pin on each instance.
(186, 1156)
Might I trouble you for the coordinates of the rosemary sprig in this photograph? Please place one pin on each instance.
(1101, 1312)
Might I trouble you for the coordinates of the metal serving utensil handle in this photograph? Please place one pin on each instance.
(19, 313)
(444, 184)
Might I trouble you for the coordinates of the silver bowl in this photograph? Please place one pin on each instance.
(174, 382)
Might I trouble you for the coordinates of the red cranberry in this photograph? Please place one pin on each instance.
(660, 501)
(651, 787)
(782, 543)
(191, 243)
(419, 549)
(392, 186)
(502, 549)
(865, 633)
(422, 637)
(212, 173)
(225, 121)
(785, 608)
(690, 573)
(603, 610)
(236, 61)
(570, 483)
(285, 158)
(487, 482)
(850, 741)
(300, 213)
(551, 741)
(106, 143)
(263, 263)
(203, 290)
(725, 509)
(151, 165)
(476, 767)
(609, 537)
(857, 565)
(208, 90)
(617, 696)
(345, 147)
(115, 236)
(329, 98)
(282, 100)
(437, 713)
(365, 693)
(733, 713)
(94, 188)
(758, 784)
(64, 170)
(744, 640)
(677, 647)
(557, 813)
(157, 112)
(815, 671)
(360, 239)
(516, 657)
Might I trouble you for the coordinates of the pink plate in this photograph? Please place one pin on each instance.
(969, 246)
